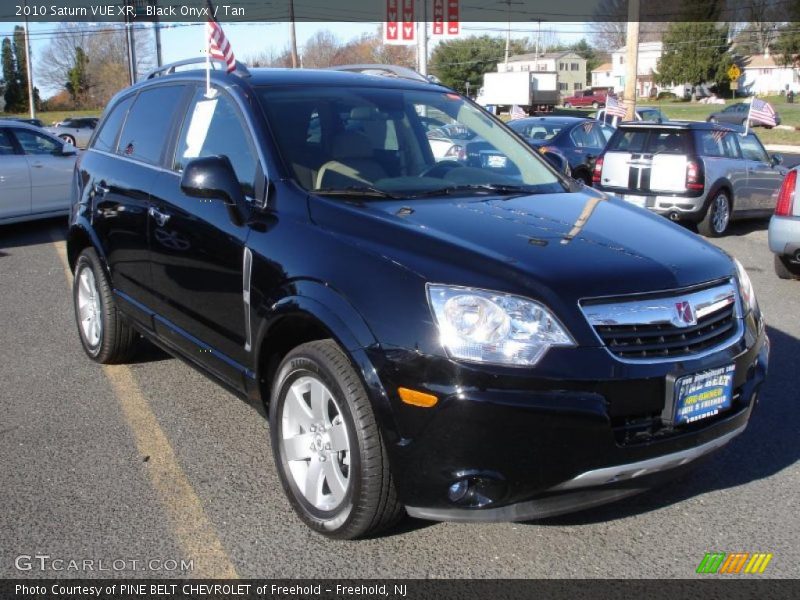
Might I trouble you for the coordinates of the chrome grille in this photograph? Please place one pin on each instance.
(661, 328)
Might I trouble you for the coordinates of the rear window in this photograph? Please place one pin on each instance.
(149, 120)
(651, 141)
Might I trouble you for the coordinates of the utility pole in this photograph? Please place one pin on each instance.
(538, 36)
(422, 40)
(130, 41)
(508, 32)
(29, 66)
(292, 34)
(631, 60)
(157, 26)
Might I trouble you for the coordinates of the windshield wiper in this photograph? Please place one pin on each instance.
(356, 190)
(489, 188)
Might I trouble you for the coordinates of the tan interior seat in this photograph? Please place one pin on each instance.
(353, 163)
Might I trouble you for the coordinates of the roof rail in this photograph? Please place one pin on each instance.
(387, 71)
(240, 70)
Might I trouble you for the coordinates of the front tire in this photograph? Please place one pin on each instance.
(105, 336)
(327, 445)
(785, 269)
(68, 138)
(718, 216)
(567, 105)
(595, 105)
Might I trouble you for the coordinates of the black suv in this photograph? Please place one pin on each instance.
(476, 342)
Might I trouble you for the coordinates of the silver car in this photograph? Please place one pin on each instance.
(784, 229)
(703, 173)
(77, 131)
(35, 173)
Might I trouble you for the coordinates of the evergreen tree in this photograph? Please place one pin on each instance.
(78, 83)
(457, 61)
(13, 92)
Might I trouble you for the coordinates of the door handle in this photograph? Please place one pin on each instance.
(100, 189)
(158, 216)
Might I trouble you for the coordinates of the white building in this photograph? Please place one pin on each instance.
(762, 75)
(570, 67)
(646, 67)
(602, 77)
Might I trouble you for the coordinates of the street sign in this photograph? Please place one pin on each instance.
(734, 73)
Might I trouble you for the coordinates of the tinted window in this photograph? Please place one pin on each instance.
(629, 141)
(107, 138)
(668, 142)
(655, 141)
(718, 143)
(36, 143)
(752, 148)
(588, 135)
(6, 146)
(213, 128)
(146, 130)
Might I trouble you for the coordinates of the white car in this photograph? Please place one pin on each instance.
(35, 173)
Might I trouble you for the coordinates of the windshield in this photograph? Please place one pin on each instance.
(398, 143)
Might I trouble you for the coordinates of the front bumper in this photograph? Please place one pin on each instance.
(533, 448)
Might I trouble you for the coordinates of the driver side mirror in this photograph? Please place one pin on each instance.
(67, 149)
(212, 178)
(776, 159)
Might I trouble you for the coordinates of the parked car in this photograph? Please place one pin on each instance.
(580, 140)
(477, 342)
(697, 172)
(736, 114)
(77, 131)
(645, 113)
(585, 98)
(784, 229)
(36, 172)
(34, 122)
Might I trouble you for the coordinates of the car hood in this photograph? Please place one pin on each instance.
(566, 246)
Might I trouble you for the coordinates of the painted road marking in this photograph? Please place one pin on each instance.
(191, 527)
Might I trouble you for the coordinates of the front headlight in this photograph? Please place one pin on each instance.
(749, 301)
(492, 327)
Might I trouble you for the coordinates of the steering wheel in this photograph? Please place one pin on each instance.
(440, 169)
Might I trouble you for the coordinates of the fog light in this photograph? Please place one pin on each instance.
(458, 490)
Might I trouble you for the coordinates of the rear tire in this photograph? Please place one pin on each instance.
(718, 216)
(327, 445)
(785, 269)
(105, 336)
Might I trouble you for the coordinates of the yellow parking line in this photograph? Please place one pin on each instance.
(191, 527)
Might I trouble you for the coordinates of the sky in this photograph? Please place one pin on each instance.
(185, 40)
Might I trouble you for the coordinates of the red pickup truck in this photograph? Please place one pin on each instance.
(586, 98)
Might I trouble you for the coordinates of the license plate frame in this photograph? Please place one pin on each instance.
(698, 396)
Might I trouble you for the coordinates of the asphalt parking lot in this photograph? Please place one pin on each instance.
(153, 461)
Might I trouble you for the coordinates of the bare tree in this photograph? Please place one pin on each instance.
(759, 25)
(105, 46)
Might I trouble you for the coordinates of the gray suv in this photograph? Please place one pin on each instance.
(698, 172)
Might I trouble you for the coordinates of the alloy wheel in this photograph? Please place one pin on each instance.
(315, 443)
(722, 213)
(90, 310)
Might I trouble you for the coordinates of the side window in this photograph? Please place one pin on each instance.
(6, 145)
(213, 128)
(36, 143)
(588, 135)
(718, 143)
(106, 140)
(752, 149)
(146, 129)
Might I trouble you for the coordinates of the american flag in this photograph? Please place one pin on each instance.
(762, 112)
(517, 112)
(218, 46)
(615, 108)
